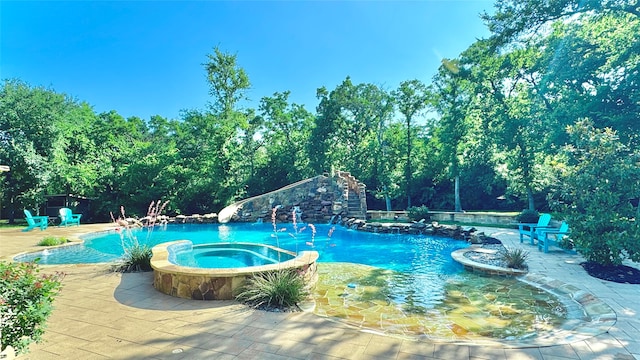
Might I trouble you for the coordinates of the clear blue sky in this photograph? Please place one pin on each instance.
(143, 58)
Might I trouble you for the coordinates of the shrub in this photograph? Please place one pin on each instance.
(136, 257)
(528, 217)
(281, 289)
(599, 180)
(514, 258)
(26, 299)
(417, 213)
(52, 241)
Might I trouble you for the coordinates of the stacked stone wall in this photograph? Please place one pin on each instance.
(316, 201)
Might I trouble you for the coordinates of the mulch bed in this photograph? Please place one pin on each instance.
(619, 273)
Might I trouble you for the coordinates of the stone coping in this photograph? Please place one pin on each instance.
(473, 266)
(219, 283)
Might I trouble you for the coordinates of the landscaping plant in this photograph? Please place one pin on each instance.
(280, 289)
(514, 258)
(528, 217)
(597, 192)
(417, 213)
(26, 301)
(52, 241)
(137, 256)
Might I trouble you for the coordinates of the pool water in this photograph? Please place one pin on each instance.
(225, 256)
(468, 306)
(426, 258)
(405, 253)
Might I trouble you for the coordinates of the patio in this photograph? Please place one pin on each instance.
(103, 315)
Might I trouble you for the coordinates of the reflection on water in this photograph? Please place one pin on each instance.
(464, 306)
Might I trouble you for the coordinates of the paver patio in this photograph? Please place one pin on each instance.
(102, 315)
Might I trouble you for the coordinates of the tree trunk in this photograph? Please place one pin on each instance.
(532, 205)
(458, 206)
(408, 168)
(12, 211)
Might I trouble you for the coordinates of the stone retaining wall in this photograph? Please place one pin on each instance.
(462, 217)
(421, 228)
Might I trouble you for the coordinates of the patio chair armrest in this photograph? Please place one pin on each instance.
(556, 232)
(544, 228)
(529, 225)
(526, 224)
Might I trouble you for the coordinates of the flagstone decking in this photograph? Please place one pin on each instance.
(102, 315)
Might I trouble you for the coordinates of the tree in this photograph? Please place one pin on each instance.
(224, 127)
(506, 91)
(76, 164)
(227, 82)
(597, 187)
(514, 19)
(28, 136)
(349, 133)
(573, 59)
(118, 143)
(411, 98)
(287, 129)
(452, 103)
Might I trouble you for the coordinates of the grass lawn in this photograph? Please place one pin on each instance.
(4, 223)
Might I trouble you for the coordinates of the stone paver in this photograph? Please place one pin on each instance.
(101, 315)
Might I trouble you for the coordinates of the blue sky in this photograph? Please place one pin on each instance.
(143, 58)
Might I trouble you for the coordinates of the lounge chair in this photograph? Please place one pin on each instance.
(543, 236)
(529, 229)
(68, 218)
(35, 221)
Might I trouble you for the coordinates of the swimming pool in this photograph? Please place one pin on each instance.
(427, 258)
(405, 253)
(406, 284)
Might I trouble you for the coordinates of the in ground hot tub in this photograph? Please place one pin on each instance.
(216, 271)
(227, 255)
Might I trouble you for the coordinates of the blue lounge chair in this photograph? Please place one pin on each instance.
(543, 236)
(35, 221)
(68, 218)
(529, 229)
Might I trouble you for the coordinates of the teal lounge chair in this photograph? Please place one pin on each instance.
(543, 236)
(529, 229)
(68, 218)
(35, 221)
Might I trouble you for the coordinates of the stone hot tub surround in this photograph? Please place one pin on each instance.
(218, 283)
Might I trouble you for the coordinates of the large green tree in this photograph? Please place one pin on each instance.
(287, 128)
(228, 82)
(28, 140)
(452, 98)
(411, 98)
(225, 158)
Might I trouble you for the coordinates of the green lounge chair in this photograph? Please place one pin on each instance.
(529, 229)
(543, 236)
(68, 218)
(35, 221)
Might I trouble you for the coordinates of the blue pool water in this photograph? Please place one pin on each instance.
(220, 256)
(405, 253)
